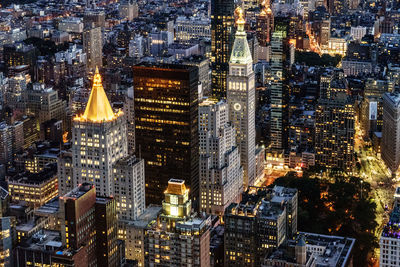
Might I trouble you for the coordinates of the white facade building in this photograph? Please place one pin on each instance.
(241, 100)
(221, 176)
(100, 155)
(189, 28)
(390, 146)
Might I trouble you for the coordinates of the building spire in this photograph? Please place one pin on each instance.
(98, 108)
(240, 51)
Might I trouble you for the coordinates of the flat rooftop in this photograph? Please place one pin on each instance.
(337, 249)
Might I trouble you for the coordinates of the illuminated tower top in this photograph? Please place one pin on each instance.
(177, 204)
(98, 108)
(266, 9)
(240, 52)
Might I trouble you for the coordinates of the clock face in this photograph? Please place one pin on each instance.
(237, 106)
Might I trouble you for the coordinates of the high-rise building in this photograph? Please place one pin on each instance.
(334, 132)
(128, 10)
(19, 54)
(99, 140)
(99, 155)
(78, 214)
(265, 24)
(241, 101)
(222, 22)
(5, 144)
(134, 232)
(166, 126)
(129, 187)
(93, 47)
(178, 238)
(44, 103)
(262, 221)
(6, 241)
(390, 146)
(390, 237)
(90, 222)
(129, 110)
(279, 89)
(94, 18)
(221, 176)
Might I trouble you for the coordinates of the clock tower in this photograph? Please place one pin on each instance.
(241, 99)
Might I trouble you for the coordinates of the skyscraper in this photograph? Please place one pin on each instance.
(390, 146)
(279, 90)
(262, 221)
(222, 21)
(166, 125)
(91, 222)
(221, 176)
(334, 132)
(93, 47)
(265, 24)
(241, 100)
(99, 155)
(99, 140)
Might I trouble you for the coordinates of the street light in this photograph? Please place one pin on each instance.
(361, 187)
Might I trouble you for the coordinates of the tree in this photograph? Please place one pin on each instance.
(336, 208)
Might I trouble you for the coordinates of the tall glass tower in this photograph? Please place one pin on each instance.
(222, 21)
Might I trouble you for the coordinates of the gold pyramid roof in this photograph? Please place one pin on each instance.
(98, 108)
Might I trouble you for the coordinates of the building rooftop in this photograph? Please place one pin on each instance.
(79, 191)
(394, 97)
(176, 187)
(337, 249)
(150, 214)
(98, 108)
(48, 173)
(50, 207)
(262, 201)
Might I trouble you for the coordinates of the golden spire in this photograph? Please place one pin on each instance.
(265, 8)
(98, 108)
(239, 16)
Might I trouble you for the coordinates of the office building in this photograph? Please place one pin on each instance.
(99, 155)
(390, 146)
(129, 110)
(6, 241)
(241, 101)
(166, 126)
(389, 241)
(32, 253)
(43, 103)
(221, 175)
(133, 233)
(309, 249)
(222, 22)
(129, 186)
(6, 154)
(128, 10)
(99, 140)
(279, 89)
(265, 24)
(94, 18)
(261, 222)
(93, 47)
(187, 29)
(334, 133)
(19, 54)
(90, 222)
(34, 188)
(178, 238)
